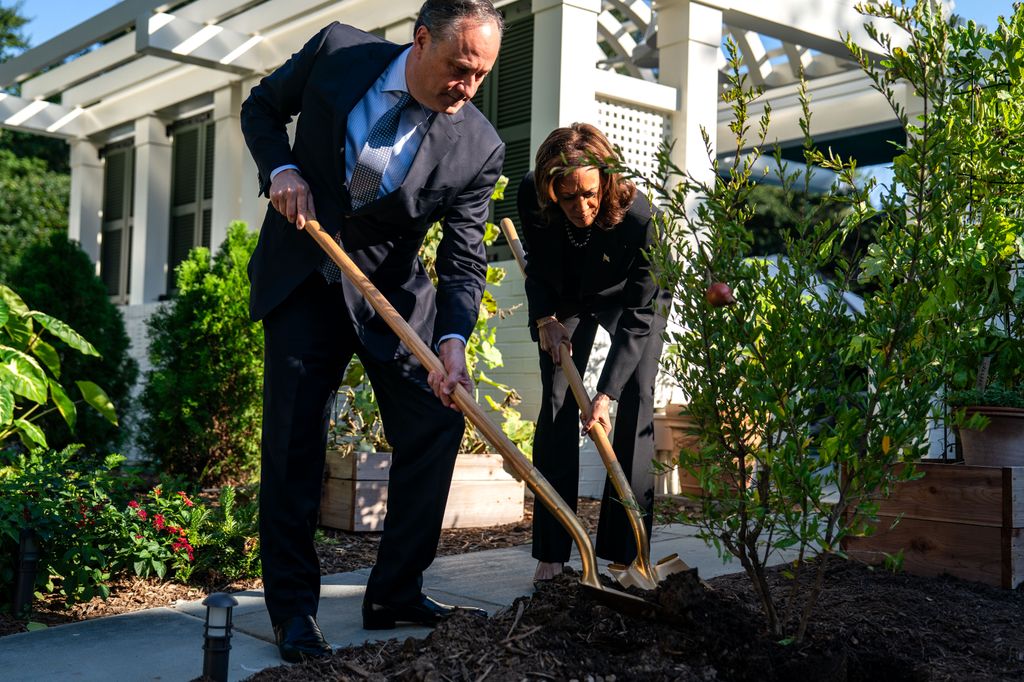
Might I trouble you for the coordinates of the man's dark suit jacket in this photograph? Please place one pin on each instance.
(617, 285)
(451, 179)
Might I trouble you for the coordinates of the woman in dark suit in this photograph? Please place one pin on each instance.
(587, 230)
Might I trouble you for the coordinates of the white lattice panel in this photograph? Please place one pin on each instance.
(637, 131)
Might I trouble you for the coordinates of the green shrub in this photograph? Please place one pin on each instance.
(30, 373)
(804, 408)
(58, 277)
(34, 206)
(203, 398)
(64, 498)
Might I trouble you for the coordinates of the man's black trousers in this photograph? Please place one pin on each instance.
(309, 342)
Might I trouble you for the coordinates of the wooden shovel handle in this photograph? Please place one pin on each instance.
(514, 243)
(464, 400)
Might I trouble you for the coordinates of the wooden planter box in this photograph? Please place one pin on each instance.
(1001, 443)
(355, 492)
(960, 520)
(670, 436)
(673, 432)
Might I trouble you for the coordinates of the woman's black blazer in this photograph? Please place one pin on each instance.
(616, 283)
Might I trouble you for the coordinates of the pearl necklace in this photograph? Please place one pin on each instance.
(581, 244)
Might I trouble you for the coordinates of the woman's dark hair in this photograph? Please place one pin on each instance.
(581, 145)
(443, 17)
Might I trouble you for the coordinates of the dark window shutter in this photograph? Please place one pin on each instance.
(207, 224)
(118, 196)
(110, 261)
(208, 163)
(512, 102)
(515, 75)
(182, 237)
(114, 186)
(186, 158)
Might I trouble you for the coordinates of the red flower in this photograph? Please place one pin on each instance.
(157, 491)
(184, 498)
(133, 504)
(158, 521)
(138, 537)
(142, 514)
(183, 545)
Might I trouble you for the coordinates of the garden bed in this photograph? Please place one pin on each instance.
(870, 625)
(339, 552)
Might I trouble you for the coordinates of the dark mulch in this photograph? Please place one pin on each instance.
(339, 552)
(870, 626)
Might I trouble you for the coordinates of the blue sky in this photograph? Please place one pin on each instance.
(51, 17)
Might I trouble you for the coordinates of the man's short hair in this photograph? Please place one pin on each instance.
(443, 17)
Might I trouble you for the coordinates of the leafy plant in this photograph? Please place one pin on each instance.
(357, 423)
(64, 498)
(986, 119)
(154, 535)
(30, 373)
(34, 206)
(805, 409)
(203, 397)
(58, 277)
(228, 548)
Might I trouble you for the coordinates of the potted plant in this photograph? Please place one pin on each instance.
(483, 493)
(986, 365)
(989, 417)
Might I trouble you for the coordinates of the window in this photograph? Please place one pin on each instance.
(191, 190)
(505, 99)
(116, 227)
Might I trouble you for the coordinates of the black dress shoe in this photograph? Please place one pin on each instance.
(425, 611)
(300, 638)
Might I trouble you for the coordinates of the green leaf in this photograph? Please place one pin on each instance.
(5, 312)
(64, 404)
(34, 626)
(6, 406)
(22, 375)
(97, 397)
(65, 333)
(30, 433)
(13, 301)
(47, 354)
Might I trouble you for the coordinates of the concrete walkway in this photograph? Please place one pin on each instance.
(166, 643)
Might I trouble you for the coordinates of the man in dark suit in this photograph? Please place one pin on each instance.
(386, 144)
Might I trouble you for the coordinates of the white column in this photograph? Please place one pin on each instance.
(400, 32)
(254, 206)
(86, 201)
(564, 59)
(152, 209)
(228, 154)
(689, 42)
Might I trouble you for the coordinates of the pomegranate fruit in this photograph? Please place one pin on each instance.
(719, 294)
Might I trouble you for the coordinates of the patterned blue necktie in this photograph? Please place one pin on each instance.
(369, 170)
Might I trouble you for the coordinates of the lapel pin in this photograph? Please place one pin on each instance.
(605, 258)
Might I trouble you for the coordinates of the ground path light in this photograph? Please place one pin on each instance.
(28, 557)
(217, 635)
